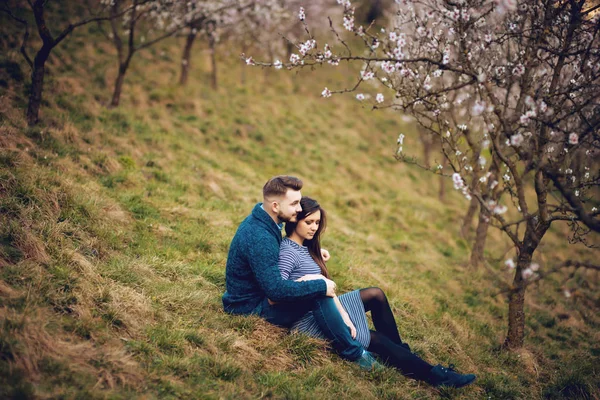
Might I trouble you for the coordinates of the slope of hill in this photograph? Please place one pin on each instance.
(115, 225)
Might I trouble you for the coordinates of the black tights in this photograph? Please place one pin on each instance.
(386, 342)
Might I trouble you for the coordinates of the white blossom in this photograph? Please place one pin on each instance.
(516, 140)
(499, 209)
(478, 108)
(458, 181)
(366, 75)
(427, 83)
(518, 70)
(573, 138)
(534, 267)
(527, 273)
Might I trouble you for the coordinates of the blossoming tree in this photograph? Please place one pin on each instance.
(512, 90)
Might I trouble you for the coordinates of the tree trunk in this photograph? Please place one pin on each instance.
(516, 304)
(244, 67)
(480, 237)
(119, 85)
(271, 53)
(468, 220)
(185, 59)
(427, 145)
(442, 192)
(289, 48)
(37, 85)
(213, 60)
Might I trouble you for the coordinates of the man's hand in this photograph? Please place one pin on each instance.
(310, 277)
(331, 286)
(325, 255)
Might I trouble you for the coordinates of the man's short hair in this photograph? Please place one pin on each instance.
(279, 185)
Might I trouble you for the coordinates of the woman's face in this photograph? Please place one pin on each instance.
(307, 227)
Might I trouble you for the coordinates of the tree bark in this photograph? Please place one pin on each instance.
(185, 59)
(243, 71)
(427, 142)
(213, 60)
(480, 237)
(116, 97)
(468, 219)
(516, 300)
(442, 192)
(289, 49)
(37, 85)
(516, 305)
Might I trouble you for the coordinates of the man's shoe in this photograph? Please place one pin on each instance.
(442, 376)
(368, 362)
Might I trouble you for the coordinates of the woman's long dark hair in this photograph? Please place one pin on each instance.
(311, 206)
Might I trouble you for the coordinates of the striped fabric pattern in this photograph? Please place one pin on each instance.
(294, 262)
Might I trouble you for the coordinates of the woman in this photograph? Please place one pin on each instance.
(300, 259)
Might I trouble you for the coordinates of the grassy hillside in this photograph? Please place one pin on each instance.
(115, 226)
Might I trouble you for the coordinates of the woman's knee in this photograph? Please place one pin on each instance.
(372, 297)
(377, 294)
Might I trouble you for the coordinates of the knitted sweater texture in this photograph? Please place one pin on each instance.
(252, 271)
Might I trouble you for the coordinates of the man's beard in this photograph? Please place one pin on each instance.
(285, 218)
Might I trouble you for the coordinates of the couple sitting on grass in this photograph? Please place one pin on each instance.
(286, 282)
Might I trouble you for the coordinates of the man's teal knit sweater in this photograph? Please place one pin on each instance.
(252, 272)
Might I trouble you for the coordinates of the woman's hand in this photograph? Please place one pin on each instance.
(325, 254)
(350, 325)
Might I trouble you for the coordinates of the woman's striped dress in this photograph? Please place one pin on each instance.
(295, 262)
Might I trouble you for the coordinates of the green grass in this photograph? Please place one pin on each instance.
(115, 226)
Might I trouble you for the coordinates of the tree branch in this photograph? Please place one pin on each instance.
(22, 49)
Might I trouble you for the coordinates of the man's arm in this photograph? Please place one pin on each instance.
(263, 257)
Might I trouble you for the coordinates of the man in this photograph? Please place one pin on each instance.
(252, 276)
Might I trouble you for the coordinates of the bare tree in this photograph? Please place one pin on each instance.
(49, 42)
(137, 25)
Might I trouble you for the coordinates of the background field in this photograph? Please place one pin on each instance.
(115, 226)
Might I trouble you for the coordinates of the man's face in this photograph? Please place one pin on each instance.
(288, 207)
